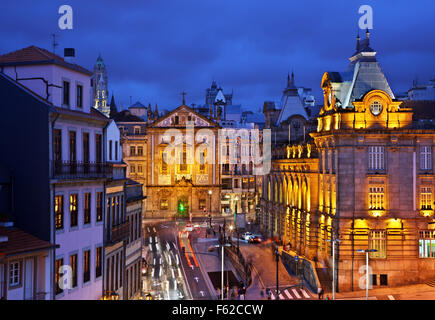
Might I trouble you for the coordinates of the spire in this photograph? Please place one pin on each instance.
(156, 112)
(367, 37)
(113, 108)
(293, 79)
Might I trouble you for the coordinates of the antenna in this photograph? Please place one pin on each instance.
(55, 44)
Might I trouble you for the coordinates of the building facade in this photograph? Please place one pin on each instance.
(368, 182)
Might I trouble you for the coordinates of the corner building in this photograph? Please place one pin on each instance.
(367, 179)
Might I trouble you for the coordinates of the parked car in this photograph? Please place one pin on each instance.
(246, 236)
(255, 239)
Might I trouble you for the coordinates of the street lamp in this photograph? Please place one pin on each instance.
(367, 251)
(334, 241)
(235, 221)
(222, 245)
(277, 263)
(209, 211)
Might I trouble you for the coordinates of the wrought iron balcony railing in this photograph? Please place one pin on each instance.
(118, 232)
(81, 170)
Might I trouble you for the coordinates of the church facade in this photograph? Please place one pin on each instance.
(365, 179)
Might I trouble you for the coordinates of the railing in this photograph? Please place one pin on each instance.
(119, 232)
(80, 170)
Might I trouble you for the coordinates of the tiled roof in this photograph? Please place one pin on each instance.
(20, 242)
(36, 55)
(94, 113)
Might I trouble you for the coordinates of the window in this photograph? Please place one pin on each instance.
(132, 151)
(72, 146)
(139, 169)
(164, 204)
(65, 93)
(110, 149)
(57, 137)
(376, 108)
(98, 147)
(164, 165)
(73, 266)
(426, 198)
(98, 260)
(73, 208)
(86, 157)
(202, 166)
(136, 130)
(183, 162)
(87, 209)
(140, 151)
(176, 120)
(58, 212)
(383, 279)
(116, 150)
(57, 275)
(376, 158)
(202, 204)
(374, 280)
(378, 241)
(132, 169)
(427, 244)
(79, 102)
(86, 266)
(376, 198)
(426, 158)
(14, 274)
(99, 206)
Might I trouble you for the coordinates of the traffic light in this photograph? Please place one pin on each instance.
(180, 207)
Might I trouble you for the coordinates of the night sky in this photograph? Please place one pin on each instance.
(156, 49)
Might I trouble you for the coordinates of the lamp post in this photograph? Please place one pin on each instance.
(334, 240)
(209, 211)
(277, 263)
(222, 245)
(367, 251)
(235, 222)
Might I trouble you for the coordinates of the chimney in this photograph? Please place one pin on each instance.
(69, 54)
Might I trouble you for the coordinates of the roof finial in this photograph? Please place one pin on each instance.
(293, 77)
(184, 101)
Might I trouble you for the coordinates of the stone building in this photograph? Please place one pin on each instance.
(366, 179)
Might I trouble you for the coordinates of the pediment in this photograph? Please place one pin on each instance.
(179, 117)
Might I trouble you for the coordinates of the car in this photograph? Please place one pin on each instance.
(246, 236)
(188, 227)
(255, 239)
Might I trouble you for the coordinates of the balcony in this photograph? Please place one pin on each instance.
(118, 232)
(81, 170)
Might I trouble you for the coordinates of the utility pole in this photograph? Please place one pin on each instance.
(277, 284)
(54, 44)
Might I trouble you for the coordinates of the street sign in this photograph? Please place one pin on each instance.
(296, 258)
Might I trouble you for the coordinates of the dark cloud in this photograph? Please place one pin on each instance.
(156, 49)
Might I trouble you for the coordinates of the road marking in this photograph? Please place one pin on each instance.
(154, 229)
(281, 297)
(288, 294)
(148, 229)
(305, 293)
(296, 293)
(202, 293)
(151, 239)
(272, 296)
(192, 266)
(391, 297)
(196, 279)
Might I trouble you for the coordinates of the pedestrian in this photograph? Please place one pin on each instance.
(268, 293)
(262, 293)
(319, 292)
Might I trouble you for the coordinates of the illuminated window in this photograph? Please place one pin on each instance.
(376, 158)
(202, 204)
(99, 206)
(59, 264)
(426, 158)
(73, 266)
(376, 198)
(132, 151)
(86, 266)
(58, 210)
(183, 162)
(202, 166)
(136, 130)
(132, 169)
(164, 204)
(140, 151)
(73, 209)
(426, 198)
(139, 169)
(378, 241)
(426, 244)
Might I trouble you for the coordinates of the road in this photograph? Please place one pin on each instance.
(173, 272)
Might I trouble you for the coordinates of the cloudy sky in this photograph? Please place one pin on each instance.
(155, 49)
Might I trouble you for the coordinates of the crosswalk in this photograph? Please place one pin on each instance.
(295, 294)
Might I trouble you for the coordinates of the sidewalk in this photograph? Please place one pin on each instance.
(410, 292)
